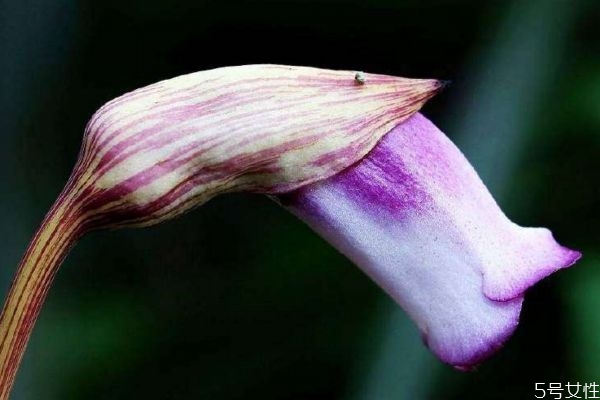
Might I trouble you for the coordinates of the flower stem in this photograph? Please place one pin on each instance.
(58, 233)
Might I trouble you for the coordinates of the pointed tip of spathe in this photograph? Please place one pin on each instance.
(442, 84)
(432, 87)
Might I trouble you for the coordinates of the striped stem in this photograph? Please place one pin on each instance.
(59, 231)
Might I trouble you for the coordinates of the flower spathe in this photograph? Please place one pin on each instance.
(416, 218)
(159, 151)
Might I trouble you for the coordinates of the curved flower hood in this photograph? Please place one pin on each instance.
(412, 212)
(156, 152)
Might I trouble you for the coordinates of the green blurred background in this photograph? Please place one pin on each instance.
(238, 299)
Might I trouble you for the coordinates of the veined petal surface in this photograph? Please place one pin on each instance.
(416, 218)
(155, 152)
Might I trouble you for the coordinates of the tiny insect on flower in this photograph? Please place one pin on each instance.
(347, 152)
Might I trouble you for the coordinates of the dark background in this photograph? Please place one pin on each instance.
(238, 299)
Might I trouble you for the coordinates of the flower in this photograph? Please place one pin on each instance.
(416, 218)
(300, 133)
